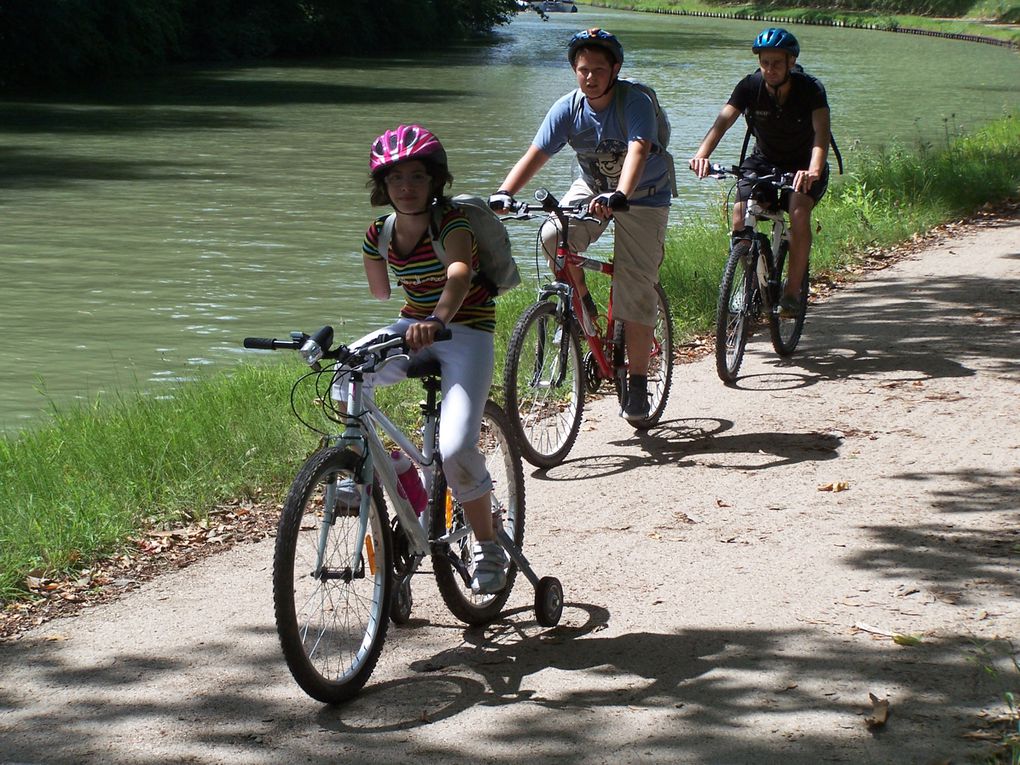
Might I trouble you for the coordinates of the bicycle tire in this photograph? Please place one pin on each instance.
(453, 564)
(785, 332)
(734, 313)
(660, 362)
(544, 384)
(331, 628)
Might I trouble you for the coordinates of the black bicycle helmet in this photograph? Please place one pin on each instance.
(776, 38)
(597, 37)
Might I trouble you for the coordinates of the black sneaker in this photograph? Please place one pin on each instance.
(789, 307)
(637, 405)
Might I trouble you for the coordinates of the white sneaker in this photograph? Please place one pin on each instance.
(348, 497)
(490, 568)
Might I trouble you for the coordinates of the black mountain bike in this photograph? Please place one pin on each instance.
(753, 279)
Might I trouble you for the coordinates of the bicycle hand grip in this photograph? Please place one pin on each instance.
(443, 334)
(260, 343)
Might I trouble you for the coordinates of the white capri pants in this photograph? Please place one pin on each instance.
(466, 360)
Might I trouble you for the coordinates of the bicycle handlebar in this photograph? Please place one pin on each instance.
(548, 204)
(316, 346)
(776, 178)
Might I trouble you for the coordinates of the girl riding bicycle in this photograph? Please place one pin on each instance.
(409, 172)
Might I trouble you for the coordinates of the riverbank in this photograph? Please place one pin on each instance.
(80, 489)
(965, 29)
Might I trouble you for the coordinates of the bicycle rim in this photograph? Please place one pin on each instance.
(786, 332)
(453, 563)
(544, 384)
(733, 316)
(331, 623)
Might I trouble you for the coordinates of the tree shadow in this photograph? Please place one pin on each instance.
(685, 442)
(187, 102)
(935, 332)
(23, 168)
(952, 557)
(699, 690)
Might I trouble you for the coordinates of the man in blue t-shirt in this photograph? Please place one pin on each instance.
(788, 114)
(621, 162)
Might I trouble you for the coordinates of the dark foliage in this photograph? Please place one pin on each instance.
(48, 43)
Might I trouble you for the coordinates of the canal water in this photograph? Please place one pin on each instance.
(149, 226)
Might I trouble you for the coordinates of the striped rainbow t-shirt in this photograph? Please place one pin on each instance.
(423, 275)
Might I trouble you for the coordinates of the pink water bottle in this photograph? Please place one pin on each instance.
(410, 481)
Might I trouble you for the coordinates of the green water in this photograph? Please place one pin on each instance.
(148, 227)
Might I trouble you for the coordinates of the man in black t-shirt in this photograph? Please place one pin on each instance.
(788, 114)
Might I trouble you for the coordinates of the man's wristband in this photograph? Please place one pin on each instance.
(433, 317)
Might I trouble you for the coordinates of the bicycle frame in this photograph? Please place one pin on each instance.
(755, 214)
(363, 421)
(566, 288)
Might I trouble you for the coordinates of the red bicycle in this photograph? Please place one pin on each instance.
(545, 375)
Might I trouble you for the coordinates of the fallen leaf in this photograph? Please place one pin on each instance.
(900, 639)
(983, 735)
(834, 486)
(879, 712)
(873, 630)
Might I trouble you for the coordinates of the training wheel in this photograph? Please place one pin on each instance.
(549, 601)
(400, 605)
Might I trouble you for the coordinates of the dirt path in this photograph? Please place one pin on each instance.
(722, 606)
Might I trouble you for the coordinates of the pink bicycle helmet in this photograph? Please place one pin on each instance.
(402, 143)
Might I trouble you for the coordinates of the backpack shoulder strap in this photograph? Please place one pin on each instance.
(437, 245)
(386, 234)
(835, 150)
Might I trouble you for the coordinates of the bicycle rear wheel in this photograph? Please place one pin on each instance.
(544, 382)
(332, 620)
(786, 332)
(734, 313)
(660, 362)
(453, 563)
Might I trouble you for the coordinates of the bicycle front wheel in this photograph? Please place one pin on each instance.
(452, 560)
(786, 332)
(544, 384)
(660, 362)
(332, 609)
(734, 314)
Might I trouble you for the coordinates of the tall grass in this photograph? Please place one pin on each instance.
(76, 487)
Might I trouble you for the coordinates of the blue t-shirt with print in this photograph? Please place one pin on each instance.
(600, 141)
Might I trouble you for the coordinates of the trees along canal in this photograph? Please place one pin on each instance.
(61, 42)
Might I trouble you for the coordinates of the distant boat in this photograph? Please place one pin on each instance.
(554, 6)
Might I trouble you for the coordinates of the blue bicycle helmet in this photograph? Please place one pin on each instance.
(776, 38)
(597, 37)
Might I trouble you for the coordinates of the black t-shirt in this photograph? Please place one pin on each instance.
(783, 134)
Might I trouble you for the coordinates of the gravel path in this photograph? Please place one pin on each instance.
(722, 605)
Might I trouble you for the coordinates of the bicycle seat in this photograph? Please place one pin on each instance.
(428, 368)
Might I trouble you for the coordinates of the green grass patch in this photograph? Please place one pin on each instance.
(78, 486)
(988, 19)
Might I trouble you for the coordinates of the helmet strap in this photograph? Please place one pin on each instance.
(609, 88)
